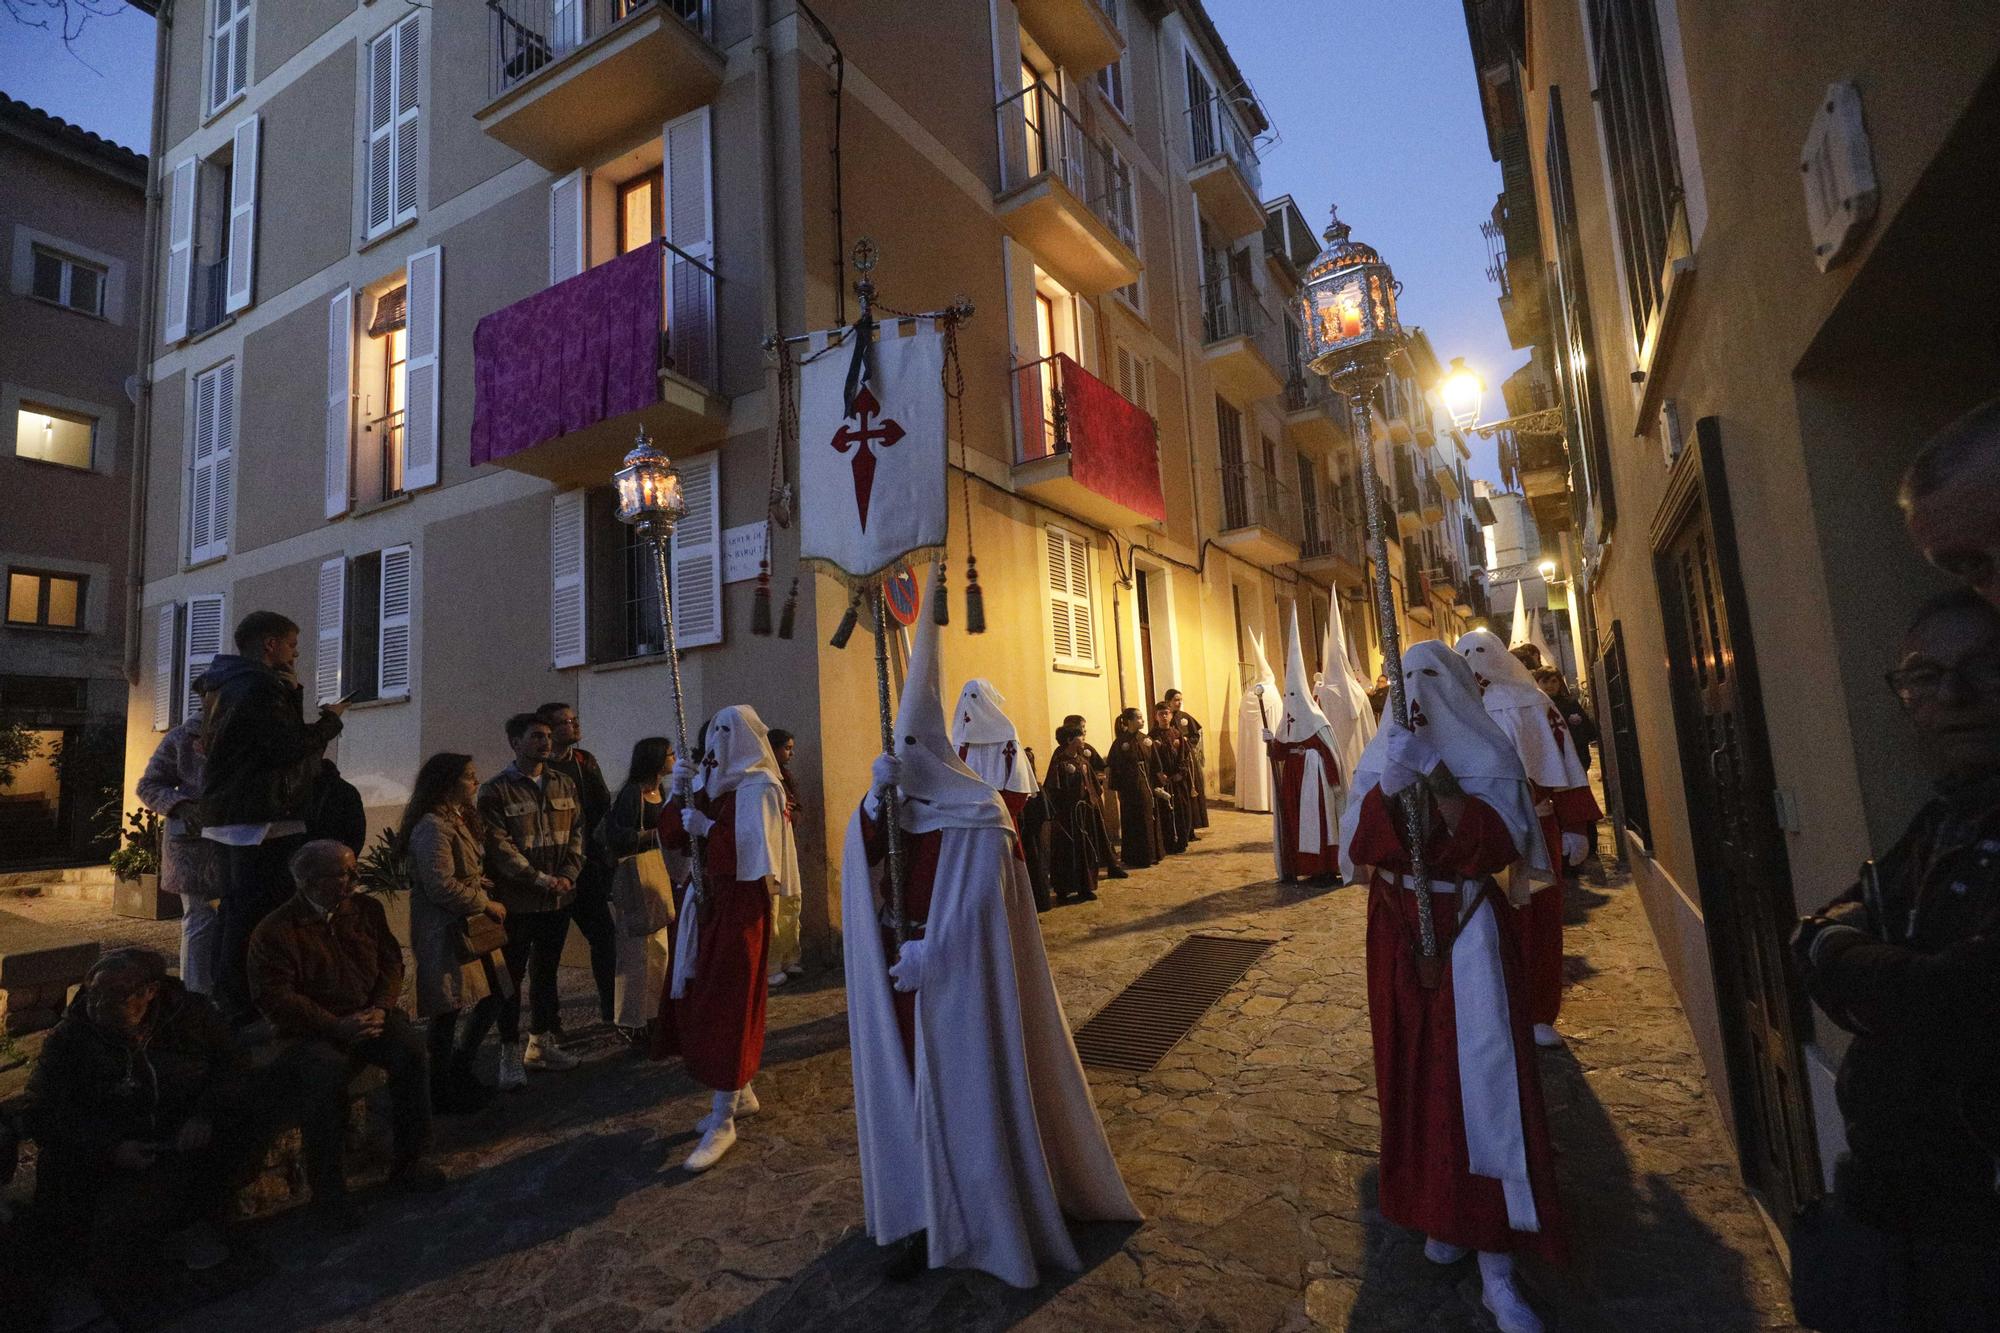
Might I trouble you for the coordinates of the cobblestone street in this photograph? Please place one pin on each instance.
(1251, 1151)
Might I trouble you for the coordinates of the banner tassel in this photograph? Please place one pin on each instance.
(845, 630)
(975, 599)
(760, 602)
(941, 604)
(790, 617)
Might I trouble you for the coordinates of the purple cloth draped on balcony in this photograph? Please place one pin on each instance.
(585, 350)
(1113, 442)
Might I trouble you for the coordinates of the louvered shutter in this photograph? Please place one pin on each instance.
(1074, 632)
(1081, 620)
(164, 635)
(222, 499)
(180, 250)
(212, 485)
(1065, 639)
(243, 218)
(204, 641)
(392, 675)
(420, 420)
(339, 399)
(697, 554)
(566, 588)
(690, 221)
(380, 201)
(566, 198)
(408, 138)
(330, 632)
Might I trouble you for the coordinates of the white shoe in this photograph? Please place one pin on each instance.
(1443, 1251)
(1509, 1310)
(776, 979)
(545, 1052)
(746, 1102)
(1546, 1035)
(715, 1141)
(512, 1077)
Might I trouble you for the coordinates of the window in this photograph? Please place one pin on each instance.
(212, 235)
(362, 640)
(640, 220)
(228, 51)
(603, 592)
(1576, 350)
(44, 601)
(1124, 201)
(1638, 146)
(395, 73)
(378, 464)
(624, 589)
(1075, 624)
(1111, 79)
(212, 463)
(68, 282)
(387, 378)
(52, 435)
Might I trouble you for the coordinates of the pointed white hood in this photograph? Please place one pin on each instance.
(1342, 696)
(1514, 701)
(939, 791)
(981, 728)
(1302, 719)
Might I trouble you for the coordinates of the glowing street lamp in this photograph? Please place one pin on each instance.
(1461, 391)
(1547, 569)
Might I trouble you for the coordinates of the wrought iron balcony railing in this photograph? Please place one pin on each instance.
(1042, 136)
(527, 36)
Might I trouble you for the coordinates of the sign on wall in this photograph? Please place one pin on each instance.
(742, 551)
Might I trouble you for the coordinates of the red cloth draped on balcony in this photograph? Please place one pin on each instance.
(1112, 442)
(585, 350)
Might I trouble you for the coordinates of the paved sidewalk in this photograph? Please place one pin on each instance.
(1251, 1151)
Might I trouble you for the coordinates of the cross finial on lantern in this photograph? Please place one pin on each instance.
(1336, 230)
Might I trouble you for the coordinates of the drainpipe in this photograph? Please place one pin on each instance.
(142, 426)
(767, 151)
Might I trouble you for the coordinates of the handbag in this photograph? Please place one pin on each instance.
(478, 936)
(642, 893)
(1847, 1276)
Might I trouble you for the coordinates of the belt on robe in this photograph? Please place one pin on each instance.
(1439, 885)
(1545, 809)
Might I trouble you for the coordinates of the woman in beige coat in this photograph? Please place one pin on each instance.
(443, 840)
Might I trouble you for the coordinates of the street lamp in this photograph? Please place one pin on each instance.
(1461, 391)
(1348, 308)
(1547, 569)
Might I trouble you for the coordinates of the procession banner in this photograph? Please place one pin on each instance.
(872, 480)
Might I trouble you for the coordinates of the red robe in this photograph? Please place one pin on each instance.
(717, 1028)
(1571, 811)
(1426, 1182)
(920, 863)
(1288, 762)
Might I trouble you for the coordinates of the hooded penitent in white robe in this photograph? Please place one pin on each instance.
(1519, 707)
(1344, 699)
(1305, 816)
(1257, 715)
(988, 1137)
(1528, 628)
(987, 740)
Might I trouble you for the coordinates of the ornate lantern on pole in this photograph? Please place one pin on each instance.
(1349, 313)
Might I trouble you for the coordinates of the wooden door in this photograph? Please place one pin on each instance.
(1741, 865)
(1143, 592)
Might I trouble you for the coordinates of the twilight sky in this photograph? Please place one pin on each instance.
(1375, 106)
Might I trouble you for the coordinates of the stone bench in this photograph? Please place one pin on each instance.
(38, 966)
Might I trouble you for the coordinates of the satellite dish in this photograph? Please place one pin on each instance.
(132, 389)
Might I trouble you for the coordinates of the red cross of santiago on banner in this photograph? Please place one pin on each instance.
(883, 434)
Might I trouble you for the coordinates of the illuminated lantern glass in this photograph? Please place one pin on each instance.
(1348, 306)
(1461, 391)
(649, 490)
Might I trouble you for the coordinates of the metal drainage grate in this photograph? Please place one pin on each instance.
(1141, 1023)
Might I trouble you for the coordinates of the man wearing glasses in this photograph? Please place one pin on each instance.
(1951, 500)
(1908, 960)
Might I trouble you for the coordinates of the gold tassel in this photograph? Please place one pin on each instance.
(790, 617)
(941, 604)
(845, 630)
(975, 599)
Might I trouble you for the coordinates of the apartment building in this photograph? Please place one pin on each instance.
(1735, 238)
(71, 229)
(428, 270)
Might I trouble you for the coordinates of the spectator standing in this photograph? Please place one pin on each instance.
(1074, 825)
(1190, 730)
(190, 865)
(1113, 865)
(1170, 749)
(1582, 733)
(1135, 777)
(644, 928)
(1908, 960)
(327, 972)
(1951, 500)
(534, 853)
(590, 907)
(444, 841)
(261, 758)
(787, 955)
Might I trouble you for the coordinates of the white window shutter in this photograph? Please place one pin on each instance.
(425, 276)
(214, 463)
(392, 662)
(408, 138)
(1058, 568)
(222, 497)
(180, 250)
(163, 666)
(697, 554)
(566, 590)
(204, 641)
(339, 399)
(330, 632)
(380, 202)
(566, 201)
(689, 210)
(243, 218)
(1075, 631)
(1081, 619)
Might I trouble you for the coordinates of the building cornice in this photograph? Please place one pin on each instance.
(53, 135)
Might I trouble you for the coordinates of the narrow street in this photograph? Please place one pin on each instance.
(1251, 1150)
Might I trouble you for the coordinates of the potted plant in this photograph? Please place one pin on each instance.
(136, 864)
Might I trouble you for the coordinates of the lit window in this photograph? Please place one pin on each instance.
(50, 435)
(639, 213)
(48, 601)
(68, 282)
(378, 472)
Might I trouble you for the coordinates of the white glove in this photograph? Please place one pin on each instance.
(885, 770)
(696, 823)
(908, 973)
(681, 776)
(1409, 755)
(1576, 848)
(1268, 737)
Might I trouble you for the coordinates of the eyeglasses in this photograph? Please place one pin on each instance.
(1924, 681)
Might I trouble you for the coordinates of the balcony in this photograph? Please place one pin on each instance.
(1315, 416)
(1409, 495)
(571, 80)
(1259, 519)
(1240, 341)
(1085, 449)
(1417, 589)
(1432, 498)
(1333, 548)
(1064, 196)
(1077, 33)
(1447, 479)
(564, 379)
(1224, 175)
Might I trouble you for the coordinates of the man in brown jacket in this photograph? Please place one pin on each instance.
(326, 971)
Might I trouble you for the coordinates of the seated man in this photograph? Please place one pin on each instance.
(147, 1119)
(326, 971)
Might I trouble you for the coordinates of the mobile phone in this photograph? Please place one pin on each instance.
(345, 698)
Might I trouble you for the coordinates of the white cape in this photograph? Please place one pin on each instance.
(1258, 714)
(996, 1137)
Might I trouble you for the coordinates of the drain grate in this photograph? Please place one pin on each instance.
(1141, 1023)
